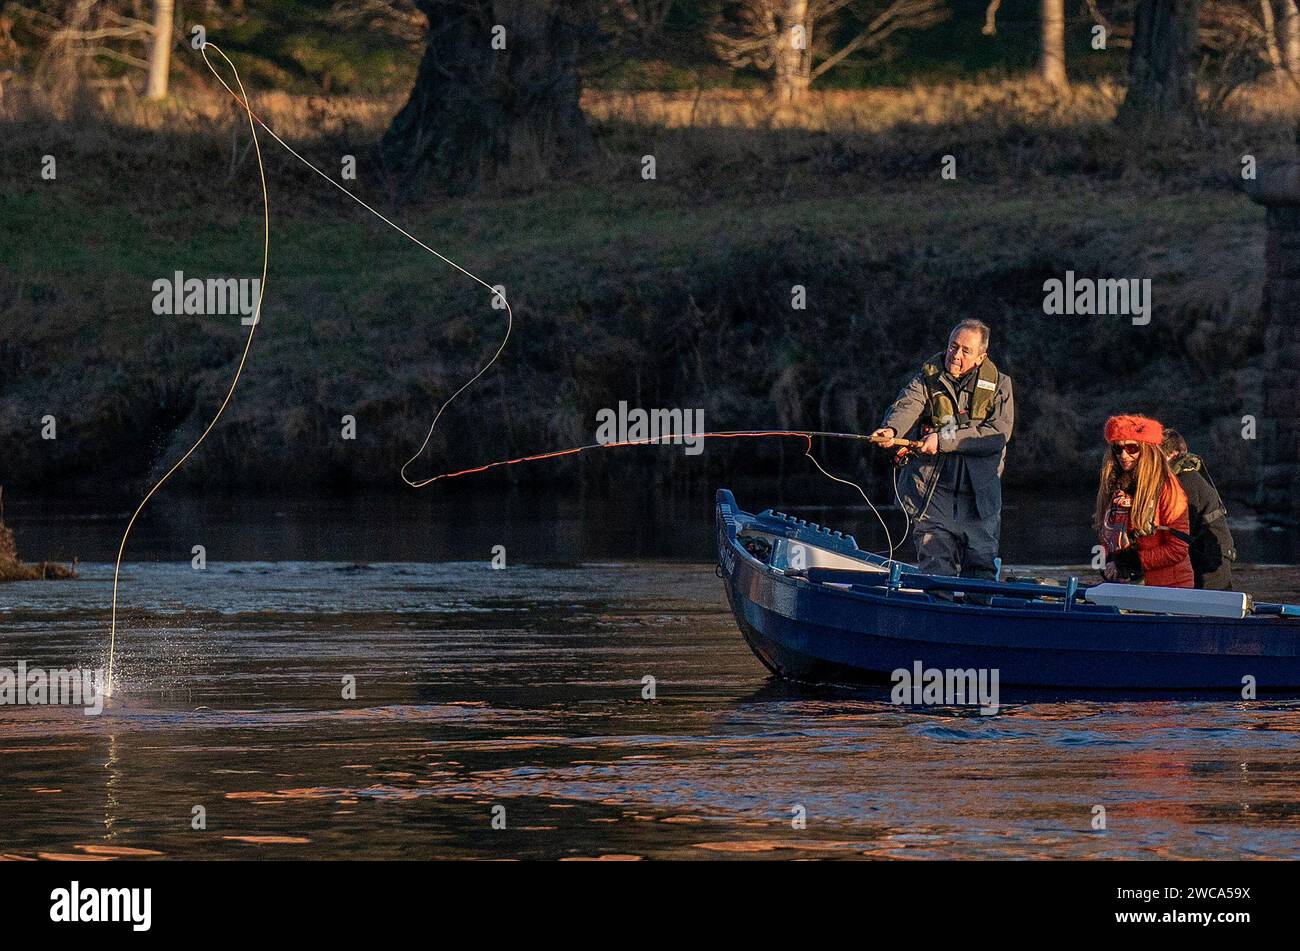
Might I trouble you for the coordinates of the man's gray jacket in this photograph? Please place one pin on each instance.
(983, 444)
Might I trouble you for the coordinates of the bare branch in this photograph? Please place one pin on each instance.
(758, 33)
(105, 33)
(114, 54)
(900, 15)
(991, 18)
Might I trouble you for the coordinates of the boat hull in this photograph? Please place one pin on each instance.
(818, 633)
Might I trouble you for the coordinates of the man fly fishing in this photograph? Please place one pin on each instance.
(962, 410)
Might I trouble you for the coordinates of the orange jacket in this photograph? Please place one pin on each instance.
(1165, 559)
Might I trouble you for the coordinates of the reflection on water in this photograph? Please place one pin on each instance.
(535, 526)
(523, 689)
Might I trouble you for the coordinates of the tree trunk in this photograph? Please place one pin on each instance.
(1270, 37)
(160, 51)
(480, 115)
(1053, 62)
(792, 66)
(1162, 63)
(1291, 36)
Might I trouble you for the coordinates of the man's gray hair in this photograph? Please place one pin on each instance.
(978, 326)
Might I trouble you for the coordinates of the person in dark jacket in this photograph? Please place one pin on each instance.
(961, 409)
(1212, 549)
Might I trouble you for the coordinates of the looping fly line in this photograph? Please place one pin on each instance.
(497, 293)
(239, 369)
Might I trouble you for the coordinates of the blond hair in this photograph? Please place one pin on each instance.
(1151, 472)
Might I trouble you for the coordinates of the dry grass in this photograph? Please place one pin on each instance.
(292, 116)
(879, 110)
(1012, 133)
(857, 111)
(716, 120)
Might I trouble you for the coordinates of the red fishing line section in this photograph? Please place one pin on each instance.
(658, 440)
(806, 435)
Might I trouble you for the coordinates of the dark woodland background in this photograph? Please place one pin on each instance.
(818, 167)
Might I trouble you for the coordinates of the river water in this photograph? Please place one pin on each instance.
(506, 713)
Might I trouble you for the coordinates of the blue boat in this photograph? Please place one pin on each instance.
(817, 609)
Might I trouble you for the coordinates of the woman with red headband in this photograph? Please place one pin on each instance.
(1141, 512)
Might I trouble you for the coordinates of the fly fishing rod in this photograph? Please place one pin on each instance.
(808, 434)
(904, 447)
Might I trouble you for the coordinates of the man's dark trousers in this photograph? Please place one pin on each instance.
(952, 539)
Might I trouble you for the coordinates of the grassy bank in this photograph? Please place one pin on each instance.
(671, 292)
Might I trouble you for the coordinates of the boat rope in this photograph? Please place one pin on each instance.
(239, 369)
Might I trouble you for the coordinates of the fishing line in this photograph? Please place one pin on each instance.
(805, 434)
(889, 539)
(253, 121)
(498, 294)
(243, 358)
(907, 519)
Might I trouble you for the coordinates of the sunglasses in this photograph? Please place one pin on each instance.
(1125, 448)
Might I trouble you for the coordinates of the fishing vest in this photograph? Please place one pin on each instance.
(940, 404)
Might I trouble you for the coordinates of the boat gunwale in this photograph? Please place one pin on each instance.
(927, 604)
